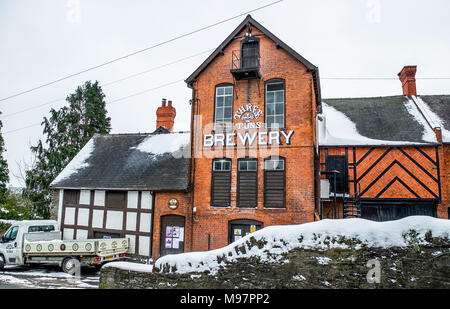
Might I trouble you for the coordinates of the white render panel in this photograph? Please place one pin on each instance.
(132, 199)
(144, 245)
(82, 234)
(131, 221)
(145, 223)
(83, 217)
(97, 218)
(85, 197)
(69, 218)
(99, 198)
(132, 249)
(146, 200)
(60, 207)
(68, 234)
(114, 220)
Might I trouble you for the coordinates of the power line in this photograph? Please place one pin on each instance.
(111, 83)
(107, 103)
(139, 51)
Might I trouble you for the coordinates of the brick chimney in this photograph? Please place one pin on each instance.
(165, 115)
(408, 78)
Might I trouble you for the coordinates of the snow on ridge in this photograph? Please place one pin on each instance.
(314, 235)
(158, 144)
(338, 129)
(77, 163)
(434, 119)
(428, 134)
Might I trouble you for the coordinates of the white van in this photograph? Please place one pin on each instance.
(39, 242)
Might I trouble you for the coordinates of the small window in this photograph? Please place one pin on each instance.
(275, 104)
(222, 165)
(71, 197)
(250, 54)
(221, 183)
(115, 199)
(41, 228)
(14, 232)
(248, 165)
(224, 108)
(337, 163)
(274, 183)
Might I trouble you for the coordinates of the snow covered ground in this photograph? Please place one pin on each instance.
(46, 277)
(269, 243)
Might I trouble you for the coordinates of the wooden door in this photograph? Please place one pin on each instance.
(172, 236)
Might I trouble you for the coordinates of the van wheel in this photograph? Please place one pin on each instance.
(2, 262)
(69, 264)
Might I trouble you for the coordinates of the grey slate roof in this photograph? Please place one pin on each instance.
(440, 105)
(387, 118)
(116, 163)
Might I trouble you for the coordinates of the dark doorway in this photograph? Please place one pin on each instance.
(394, 211)
(172, 235)
(240, 228)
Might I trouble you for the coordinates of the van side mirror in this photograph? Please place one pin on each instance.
(2, 239)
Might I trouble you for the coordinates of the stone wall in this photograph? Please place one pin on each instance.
(415, 266)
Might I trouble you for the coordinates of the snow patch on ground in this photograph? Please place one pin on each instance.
(145, 268)
(77, 163)
(164, 143)
(315, 235)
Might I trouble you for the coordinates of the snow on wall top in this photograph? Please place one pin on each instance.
(315, 235)
(77, 163)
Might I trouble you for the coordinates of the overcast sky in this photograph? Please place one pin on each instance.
(41, 41)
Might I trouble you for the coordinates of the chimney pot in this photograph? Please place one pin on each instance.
(165, 115)
(408, 78)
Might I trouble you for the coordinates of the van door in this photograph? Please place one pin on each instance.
(11, 244)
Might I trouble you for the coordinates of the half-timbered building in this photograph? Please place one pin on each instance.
(264, 149)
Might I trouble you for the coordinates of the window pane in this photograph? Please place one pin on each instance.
(228, 101)
(279, 96)
(242, 165)
(217, 165)
(279, 110)
(219, 101)
(229, 90)
(226, 165)
(219, 114)
(228, 113)
(252, 166)
(274, 87)
(270, 109)
(14, 233)
(279, 120)
(220, 90)
(279, 165)
(270, 97)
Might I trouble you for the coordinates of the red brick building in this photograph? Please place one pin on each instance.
(264, 149)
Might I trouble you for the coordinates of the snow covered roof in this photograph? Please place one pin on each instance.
(437, 110)
(151, 161)
(394, 120)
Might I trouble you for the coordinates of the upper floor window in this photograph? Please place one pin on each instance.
(250, 54)
(223, 117)
(71, 197)
(275, 98)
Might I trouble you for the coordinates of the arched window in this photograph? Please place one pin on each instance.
(247, 183)
(223, 109)
(275, 103)
(275, 182)
(221, 183)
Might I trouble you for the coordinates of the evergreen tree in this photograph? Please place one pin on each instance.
(4, 178)
(66, 131)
